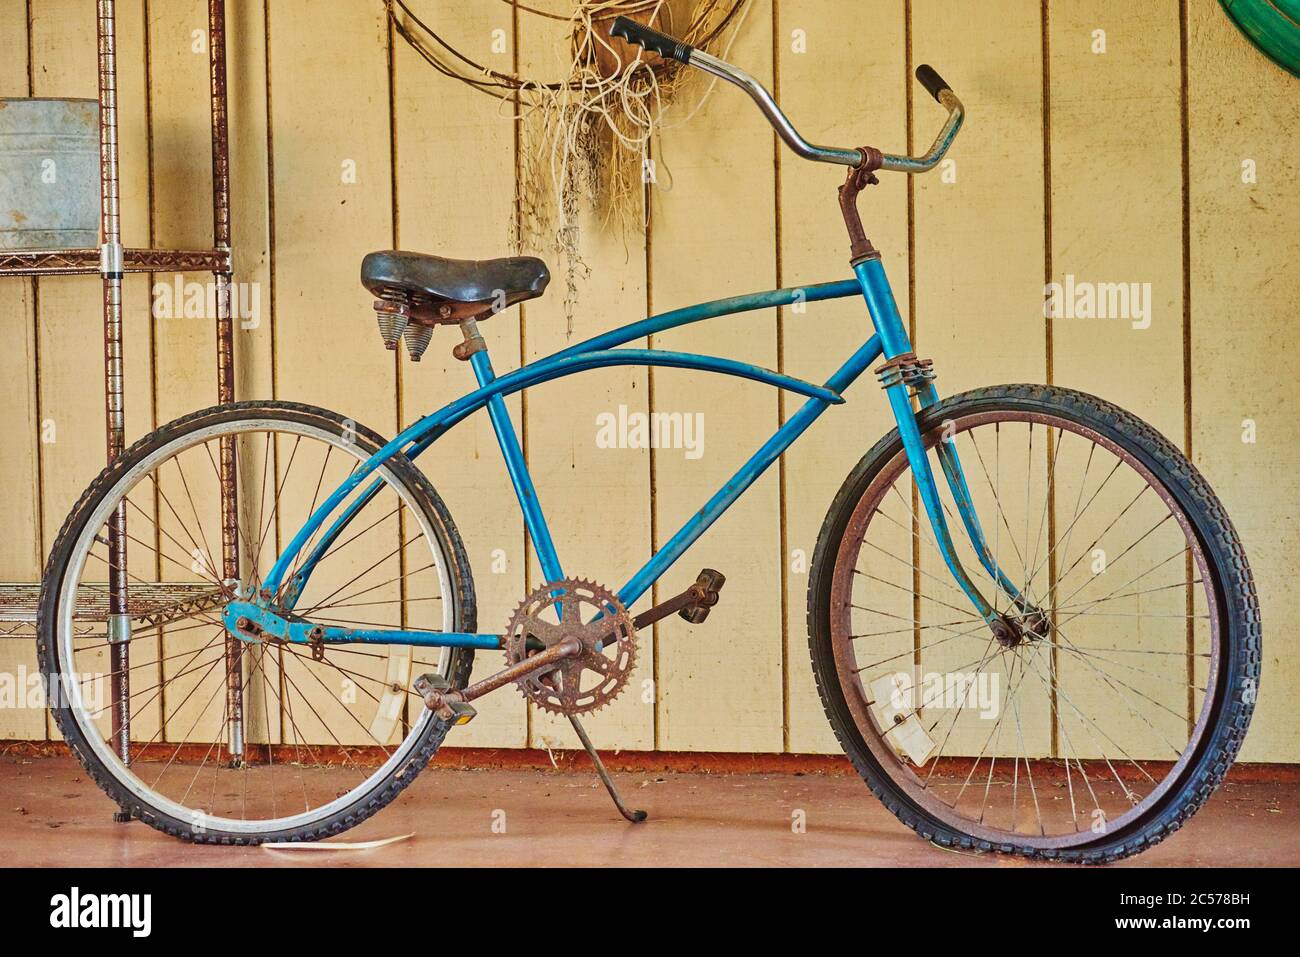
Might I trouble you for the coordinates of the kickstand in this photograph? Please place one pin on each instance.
(636, 817)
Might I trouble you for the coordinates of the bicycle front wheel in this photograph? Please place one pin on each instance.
(1118, 706)
(196, 732)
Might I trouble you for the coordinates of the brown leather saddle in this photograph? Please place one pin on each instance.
(439, 290)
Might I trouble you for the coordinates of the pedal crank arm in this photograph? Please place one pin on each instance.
(665, 608)
(451, 705)
(693, 604)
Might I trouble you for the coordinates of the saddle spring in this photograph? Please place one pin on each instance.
(393, 312)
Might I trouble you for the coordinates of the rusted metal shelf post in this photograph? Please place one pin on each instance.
(110, 234)
(225, 362)
(111, 261)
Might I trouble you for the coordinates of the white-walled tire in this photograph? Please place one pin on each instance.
(308, 771)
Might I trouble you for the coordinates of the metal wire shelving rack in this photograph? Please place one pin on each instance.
(112, 606)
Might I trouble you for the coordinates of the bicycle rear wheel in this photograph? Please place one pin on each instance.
(213, 739)
(1094, 735)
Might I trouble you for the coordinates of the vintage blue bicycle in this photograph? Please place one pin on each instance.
(260, 620)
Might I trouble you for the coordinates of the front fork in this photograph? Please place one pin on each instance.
(903, 371)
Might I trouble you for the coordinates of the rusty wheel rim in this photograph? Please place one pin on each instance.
(967, 779)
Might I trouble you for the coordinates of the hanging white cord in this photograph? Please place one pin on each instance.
(589, 136)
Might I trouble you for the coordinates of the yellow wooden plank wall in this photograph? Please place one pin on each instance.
(720, 683)
(1104, 162)
(979, 254)
(62, 43)
(1107, 141)
(597, 499)
(1244, 116)
(815, 67)
(465, 217)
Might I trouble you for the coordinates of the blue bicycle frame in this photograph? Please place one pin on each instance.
(890, 340)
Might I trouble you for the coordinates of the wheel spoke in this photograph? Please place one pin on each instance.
(326, 735)
(1101, 708)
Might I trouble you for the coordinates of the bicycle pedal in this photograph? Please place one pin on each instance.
(435, 690)
(457, 712)
(431, 682)
(709, 583)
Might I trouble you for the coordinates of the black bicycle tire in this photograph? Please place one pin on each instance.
(1234, 696)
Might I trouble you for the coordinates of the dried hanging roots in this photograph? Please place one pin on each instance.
(585, 140)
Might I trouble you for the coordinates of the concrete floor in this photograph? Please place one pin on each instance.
(51, 813)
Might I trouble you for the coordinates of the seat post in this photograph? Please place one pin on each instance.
(534, 520)
(473, 343)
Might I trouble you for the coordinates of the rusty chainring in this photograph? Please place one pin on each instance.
(590, 680)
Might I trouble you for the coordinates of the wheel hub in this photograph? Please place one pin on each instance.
(1011, 632)
(1007, 632)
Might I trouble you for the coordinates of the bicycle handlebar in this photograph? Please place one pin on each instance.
(652, 40)
(929, 78)
(938, 88)
(674, 49)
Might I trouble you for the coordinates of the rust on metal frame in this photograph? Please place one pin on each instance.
(221, 237)
(905, 369)
(858, 179)
(73, 262)
(110, 227)
(437, 700)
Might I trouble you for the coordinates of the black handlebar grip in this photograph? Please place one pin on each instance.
(931, 80)
(652, 40)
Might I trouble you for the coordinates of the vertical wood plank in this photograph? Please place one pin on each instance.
(250, 200)
(184, 349)
(979, 248)
(979, 240)
(596, 498)
(1244, 117)
(455, 194)
(184, 314)
(1116, 217)
(329, 115)
(1117, 199)
(13, 45)
(845, 94)
(185, 339)
(720, 683)
(22, 553)
(250, 215)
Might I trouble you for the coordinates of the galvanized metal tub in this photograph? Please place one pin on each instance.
(49, 174)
